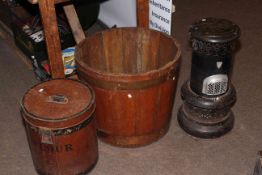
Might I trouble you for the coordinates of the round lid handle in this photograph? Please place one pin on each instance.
(60, 99)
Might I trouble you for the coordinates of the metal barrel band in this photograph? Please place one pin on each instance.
(59, 131)
(173, 72)
(132, 85)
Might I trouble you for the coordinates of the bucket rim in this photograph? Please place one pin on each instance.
(127, 77)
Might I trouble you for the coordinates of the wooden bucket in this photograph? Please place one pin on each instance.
(133, 72)
(58, 117)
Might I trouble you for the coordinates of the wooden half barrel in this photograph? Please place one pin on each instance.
(58, 117)
(133, 72)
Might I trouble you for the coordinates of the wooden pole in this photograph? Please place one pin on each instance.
(52, 39)
(74, 22)
(55, 1)
(142, 10)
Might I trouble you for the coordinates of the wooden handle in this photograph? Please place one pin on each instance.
(33, 1)
(142, 8)
(52, 39)
(56, 1)
(74, 23)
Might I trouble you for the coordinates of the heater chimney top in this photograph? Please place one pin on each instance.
(214, 30)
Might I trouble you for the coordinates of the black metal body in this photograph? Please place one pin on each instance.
(206, 117)
(204, 66)
(212, 43)
(209, 95)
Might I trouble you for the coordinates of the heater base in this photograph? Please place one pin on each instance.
(196, 125)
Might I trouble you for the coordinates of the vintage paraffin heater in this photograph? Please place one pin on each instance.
(209, 95)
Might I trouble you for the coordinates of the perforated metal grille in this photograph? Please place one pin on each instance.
(215, 85)
(215, 49)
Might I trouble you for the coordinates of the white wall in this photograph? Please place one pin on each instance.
(118, 12)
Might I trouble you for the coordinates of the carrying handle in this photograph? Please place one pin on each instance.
(60, 99)
(77, 30)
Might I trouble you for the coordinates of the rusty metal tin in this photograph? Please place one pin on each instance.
(58, 117)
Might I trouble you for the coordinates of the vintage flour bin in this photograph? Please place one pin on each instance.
(58, 117)
(133, 72)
